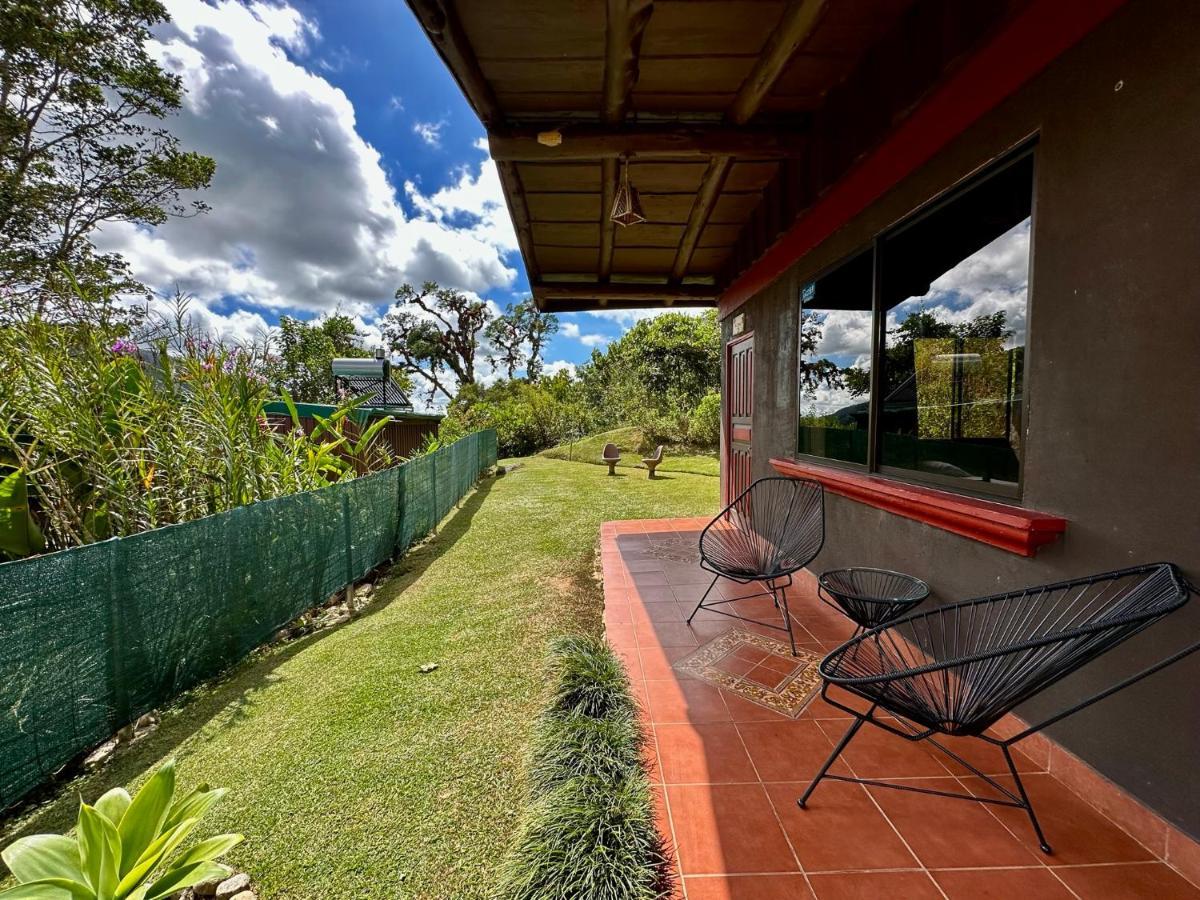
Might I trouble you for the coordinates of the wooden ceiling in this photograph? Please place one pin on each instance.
(734, 116)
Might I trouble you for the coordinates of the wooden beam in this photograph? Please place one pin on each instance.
(627, 21)
(618, 292)
(592, 142)
(441, 23)
(518, 210)
(702, 207)
(796, 26)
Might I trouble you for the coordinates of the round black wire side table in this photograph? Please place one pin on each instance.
(871, 597)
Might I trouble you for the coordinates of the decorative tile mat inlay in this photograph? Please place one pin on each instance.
(757, 667)
(677, 549)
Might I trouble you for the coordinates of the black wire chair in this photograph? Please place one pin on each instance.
(959, 669)
(773, 528)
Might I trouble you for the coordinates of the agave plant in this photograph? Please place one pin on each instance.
(123, 847)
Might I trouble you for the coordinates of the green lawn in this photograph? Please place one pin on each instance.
(351, 774)
(634, 445)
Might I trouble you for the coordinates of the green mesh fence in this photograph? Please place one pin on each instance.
(91, 638)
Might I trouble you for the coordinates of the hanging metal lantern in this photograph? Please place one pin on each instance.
(627, 206)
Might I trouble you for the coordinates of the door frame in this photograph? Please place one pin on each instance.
(727, 414)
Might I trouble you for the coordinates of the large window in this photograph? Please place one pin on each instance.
(912, 351)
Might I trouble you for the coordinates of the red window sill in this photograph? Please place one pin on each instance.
(1010, 528)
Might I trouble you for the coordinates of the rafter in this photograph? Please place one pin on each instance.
(441, 23)
(795, 27)
(514, 194)
(797, 24)
(593, 142)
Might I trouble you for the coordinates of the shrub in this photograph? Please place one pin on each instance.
(527, 416)
(123, 847)
(704, 424)
(590, 829)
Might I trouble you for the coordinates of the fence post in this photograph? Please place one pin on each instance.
(118, 687)
(433, 465)
(401, 489)
(349, 533)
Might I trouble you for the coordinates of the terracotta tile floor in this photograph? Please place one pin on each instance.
(727, 771)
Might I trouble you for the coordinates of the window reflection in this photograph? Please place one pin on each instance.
(835, 362)
(955, 289)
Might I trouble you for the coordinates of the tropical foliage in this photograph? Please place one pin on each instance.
(123, 848)
(102, 435)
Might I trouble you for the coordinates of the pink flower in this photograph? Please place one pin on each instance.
(123, 347)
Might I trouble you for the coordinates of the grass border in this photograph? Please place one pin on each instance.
(590, 829)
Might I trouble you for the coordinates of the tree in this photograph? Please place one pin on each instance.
(658, 370)
(445, 338)
(900, 355)
(80, 143)
(306, 354)
(520, 326)
(306, 351)
(819, 371)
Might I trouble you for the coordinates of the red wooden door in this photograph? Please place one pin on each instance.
(739, 413)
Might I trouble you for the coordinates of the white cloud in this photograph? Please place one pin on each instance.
(593, 340)
(304, 217)
(559, 365)
(430, 132)
(568, 329)
(476, 198)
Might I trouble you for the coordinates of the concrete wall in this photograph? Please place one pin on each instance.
(1113, 373)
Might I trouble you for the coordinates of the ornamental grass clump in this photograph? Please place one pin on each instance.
(589, 833)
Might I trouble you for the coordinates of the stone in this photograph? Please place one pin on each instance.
(428, 667)
(125, 735)
(281, 635)
(233, 886)
(149, 720)
(364, 590)
(101, 754)
(245, 895)
(208, 888)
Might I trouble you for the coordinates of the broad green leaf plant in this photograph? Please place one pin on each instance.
(123, 847)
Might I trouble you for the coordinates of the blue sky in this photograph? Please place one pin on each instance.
(348, 162)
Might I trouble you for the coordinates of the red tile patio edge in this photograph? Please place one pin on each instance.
(725, 770)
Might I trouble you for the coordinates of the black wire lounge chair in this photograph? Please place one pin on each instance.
(773, 528)
(959, 669)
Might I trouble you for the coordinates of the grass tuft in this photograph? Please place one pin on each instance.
(590, 829)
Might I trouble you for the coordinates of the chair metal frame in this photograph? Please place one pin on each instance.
(776, 582)
(867, 611)
(918, 731)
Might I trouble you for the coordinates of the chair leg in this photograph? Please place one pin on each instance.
(702, 599)
(787, 616)
(837, 751)
(1025, 800)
